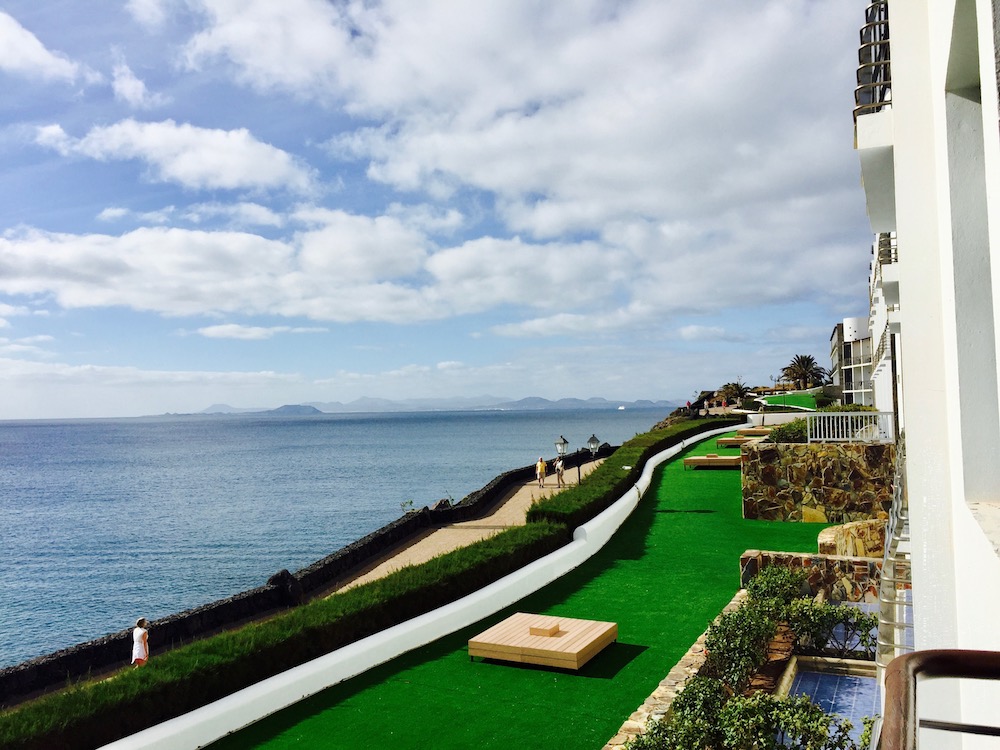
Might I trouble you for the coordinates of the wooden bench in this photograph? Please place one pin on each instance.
(754, 431)
(544, 640)
(711, 459)
(729, 442)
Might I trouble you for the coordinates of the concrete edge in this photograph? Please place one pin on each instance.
(237, 711)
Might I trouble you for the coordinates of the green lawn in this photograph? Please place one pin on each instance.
(666, 574)
(804, 400)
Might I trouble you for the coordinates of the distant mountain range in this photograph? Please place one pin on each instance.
(484, 403)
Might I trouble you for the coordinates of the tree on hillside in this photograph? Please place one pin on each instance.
(804, 371)
(735, 392)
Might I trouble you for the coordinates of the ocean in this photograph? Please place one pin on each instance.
(106, 520)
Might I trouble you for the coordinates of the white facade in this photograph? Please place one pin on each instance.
(936, 152)
(851, 361)
(884, 326)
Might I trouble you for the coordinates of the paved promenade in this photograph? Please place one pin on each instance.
(437, 541)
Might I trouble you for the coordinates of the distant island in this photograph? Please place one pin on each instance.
(484, 403)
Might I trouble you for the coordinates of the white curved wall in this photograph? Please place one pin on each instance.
(241, 709)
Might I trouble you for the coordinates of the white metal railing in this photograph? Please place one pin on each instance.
(895, 619)
(851, 427)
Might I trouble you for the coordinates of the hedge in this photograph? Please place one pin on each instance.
(94, 714)
(619, 473)
(183, 679)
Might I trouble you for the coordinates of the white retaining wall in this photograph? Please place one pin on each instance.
(214, 721)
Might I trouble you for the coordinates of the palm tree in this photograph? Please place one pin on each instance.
(804, 371)
(735, 392)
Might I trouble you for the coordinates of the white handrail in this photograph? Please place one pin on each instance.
(851, 427)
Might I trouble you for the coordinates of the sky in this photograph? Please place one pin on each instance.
(261, 203)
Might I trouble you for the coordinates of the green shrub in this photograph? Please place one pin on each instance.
(617, 474)
(693, 722)
(755, 722)
(94, 714)
(776, 582)
(736, 645)
(847, 408)
(763, 722)
(790, 432)
(712, 712)
(830, 630)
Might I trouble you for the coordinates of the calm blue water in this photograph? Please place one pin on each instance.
(103, 521)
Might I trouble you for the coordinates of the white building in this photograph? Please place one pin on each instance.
(884, 325)
(929, 144)
(851, 361)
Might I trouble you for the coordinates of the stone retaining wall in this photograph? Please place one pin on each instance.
(817, 482)
(657, 705)
(855, 539)
(840, 578)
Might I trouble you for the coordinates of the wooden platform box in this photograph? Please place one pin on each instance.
(544, 640)
(712, 459)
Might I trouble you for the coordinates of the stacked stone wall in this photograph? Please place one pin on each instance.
(839, 578)
(817, 482)
(855, 539)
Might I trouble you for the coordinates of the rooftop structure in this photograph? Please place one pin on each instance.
(851, 361)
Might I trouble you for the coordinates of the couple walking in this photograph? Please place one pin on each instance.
(540, 470)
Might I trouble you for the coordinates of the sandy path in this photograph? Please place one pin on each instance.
(437, 541)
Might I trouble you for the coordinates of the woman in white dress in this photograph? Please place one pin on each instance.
(140, 642)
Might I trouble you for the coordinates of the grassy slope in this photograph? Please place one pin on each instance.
(792, 399)
(663, 578)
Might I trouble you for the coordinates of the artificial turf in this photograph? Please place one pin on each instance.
(804, 400)
(664, 576)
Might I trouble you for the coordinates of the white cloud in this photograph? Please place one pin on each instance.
(701, 333)
(112, 213)
(37, 389)
(295, 45)
(243, 213)
(23, 54)
(24, 347)
(252, 333)
(12, 310)
(346, 248)
(196, 158)
(131, 90)
(487, 272)
(149, 13)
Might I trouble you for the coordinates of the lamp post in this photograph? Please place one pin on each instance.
(561, 445)
(593, 444)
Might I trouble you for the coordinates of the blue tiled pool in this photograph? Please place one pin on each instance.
(848, 696)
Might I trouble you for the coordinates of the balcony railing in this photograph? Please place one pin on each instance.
(874, 90)
(895, 615)
(901, 724)
(864, 359)
(887, 250)
(851, 427)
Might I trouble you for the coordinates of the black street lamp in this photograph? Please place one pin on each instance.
(561, 445)
(593, 444)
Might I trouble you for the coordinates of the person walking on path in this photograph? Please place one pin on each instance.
(540, 471)
(140, 643)
(560, 477)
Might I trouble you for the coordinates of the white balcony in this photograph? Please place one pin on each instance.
(874, 143)
(890, 283)
(851, 427)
